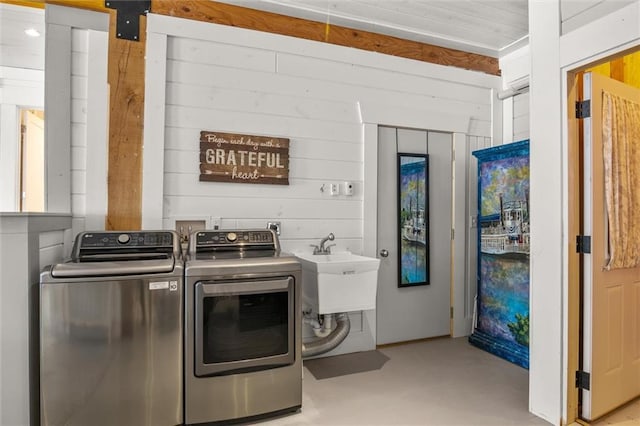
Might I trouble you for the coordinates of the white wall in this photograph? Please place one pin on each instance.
(520, 117)
(515, 69)
(319, 96)
(552, 56)
(545, 380)
(89, 94)
(77, 115)
(28, 242)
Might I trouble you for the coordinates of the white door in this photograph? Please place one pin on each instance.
(611, 317)
(410, 313)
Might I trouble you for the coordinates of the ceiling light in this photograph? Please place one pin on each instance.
(32, 32)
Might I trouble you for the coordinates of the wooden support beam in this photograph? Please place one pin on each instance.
(38, 4)
(97, 5)
(126, 81)
(242, 17)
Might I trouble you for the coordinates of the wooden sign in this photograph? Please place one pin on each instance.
(229, 157)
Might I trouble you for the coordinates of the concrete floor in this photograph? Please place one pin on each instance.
(438, 382)
(443, 382)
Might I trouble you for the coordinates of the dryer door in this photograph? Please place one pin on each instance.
(244, 325)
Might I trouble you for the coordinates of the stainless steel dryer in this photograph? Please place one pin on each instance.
(111, 324)
(243, 320)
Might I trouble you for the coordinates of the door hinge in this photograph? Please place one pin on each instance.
(583, 380)
(451, 312)
(583, 244)
(583, 109)
(453, 234)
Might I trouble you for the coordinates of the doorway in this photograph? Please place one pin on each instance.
(423, 311)
(603, 302)
(32, 160)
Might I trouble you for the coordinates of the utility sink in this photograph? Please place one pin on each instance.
(340, 282)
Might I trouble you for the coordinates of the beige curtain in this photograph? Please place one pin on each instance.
(621, 150)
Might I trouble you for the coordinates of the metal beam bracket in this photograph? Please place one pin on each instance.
(128, 16)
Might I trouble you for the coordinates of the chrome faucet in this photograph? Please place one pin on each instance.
(321, 249)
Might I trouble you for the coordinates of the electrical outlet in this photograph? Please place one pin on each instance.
(216, 223)
(186, 227)
(348, 188)
(334, 189)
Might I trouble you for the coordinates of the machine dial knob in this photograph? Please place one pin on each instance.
(123, 238)
(232, 236)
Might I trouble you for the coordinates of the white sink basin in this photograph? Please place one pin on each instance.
(341, 282)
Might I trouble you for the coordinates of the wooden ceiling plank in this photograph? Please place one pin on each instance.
(242, 17)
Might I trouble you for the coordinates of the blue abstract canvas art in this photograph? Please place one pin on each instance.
(503, 252)
(413, 220)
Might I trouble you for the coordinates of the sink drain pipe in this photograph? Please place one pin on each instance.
(326, 338)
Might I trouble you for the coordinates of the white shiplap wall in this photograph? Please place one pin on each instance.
(79, 73)
(521, 117)
(262, 84)
(28, 241)
(515, 69)
(213, 86)
(89, 116)
(322, 97)
(77, 114)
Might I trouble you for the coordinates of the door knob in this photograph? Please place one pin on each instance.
(384, 253)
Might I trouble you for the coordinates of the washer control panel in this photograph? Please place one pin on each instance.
(236, 239)
(90, 246)
(109, 240)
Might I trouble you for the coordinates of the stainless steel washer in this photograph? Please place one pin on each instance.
(243, 327)
(111, 325)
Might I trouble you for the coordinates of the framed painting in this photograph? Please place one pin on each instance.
(413, 220)
(503, 252)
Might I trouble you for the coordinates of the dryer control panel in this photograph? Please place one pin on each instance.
(250, 239)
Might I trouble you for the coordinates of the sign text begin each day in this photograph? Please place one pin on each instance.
(227, 157)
